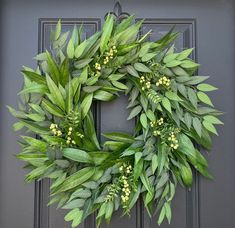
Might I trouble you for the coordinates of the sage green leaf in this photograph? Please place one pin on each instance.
(186, 174)
(82, 63)
(75, 179)
(77, 155)
(57, 30)
(77, 203)
(206, 87)
(35, 117)
(131, 70)
(55, 93)
(212, 119)
(148, 57)
(35, 77)
(86, 104)
(103, 95)
(120, 137)
(106, 32)
(173, 63)
(150, 115)
(172, 96)
(83, 76)
(154, 163)
(197, 126)
(70, 49)
(143, 120)
(185, 145)
(210, 127)
(138, 156)
(188, 120)
(119, 85)
(35, 127)
(109, 210)
(166, 104)
(184, 54)
(188, 64)
(51, 108)
(145, 181)
(196, 80)
(179, 71)
(204, 98)
(192, 97)
(72, 214)
(170, 57)
(142, 68)
(134, 112)
(34, 88)
(168, 211)
(54, 70)
(80, 49)
(161, 216)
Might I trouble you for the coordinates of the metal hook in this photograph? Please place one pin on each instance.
(117, 12)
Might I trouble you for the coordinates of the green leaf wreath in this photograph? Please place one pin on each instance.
(174, 117)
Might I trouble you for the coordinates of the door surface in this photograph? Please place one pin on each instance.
(207, 25)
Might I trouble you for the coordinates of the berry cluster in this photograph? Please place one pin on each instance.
(146, 84)
(55, 130)
(163, 81)
(173, 141)
(126, 171)
(110, 54)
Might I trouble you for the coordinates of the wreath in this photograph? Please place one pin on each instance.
(174, 117)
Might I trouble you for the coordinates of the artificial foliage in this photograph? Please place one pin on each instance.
(174, 119)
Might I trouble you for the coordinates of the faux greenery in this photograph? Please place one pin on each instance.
(173, 113)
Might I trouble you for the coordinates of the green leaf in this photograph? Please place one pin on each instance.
(77, 203)
(170, 57)
(173, 63)
(103, 95)
(184, 54)
(109, 210)
(80, 49)
(134, 112)
(161, 216)
(57, 30)
(34, 88)
(83, 76)
(188, 64)
(168, 211)
(82, 63)
(172, 96)
(51, 108)
(86, 104)
(212, 119)
(77, 155)
(148, 56)
(119, 85)
(75, 179)
(143, 120)
(154, 163)
(206, 87)
(197, 126)
(210, 127)
(166, 104)
(188, 120)
(192, 97)
(142, 68)
(70, 49)
(35, 77)
(146, 183)
(195, 79)
(54, 70)
(120, 137)
(131, 70)
(106, 32)
(186, 174)
(55, 93)
(150, 115)
(204, 98)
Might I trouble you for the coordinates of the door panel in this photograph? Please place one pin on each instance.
(209, 204)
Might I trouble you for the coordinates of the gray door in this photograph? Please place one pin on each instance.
(207, 25)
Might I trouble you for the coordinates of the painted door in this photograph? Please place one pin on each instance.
(207, 25)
